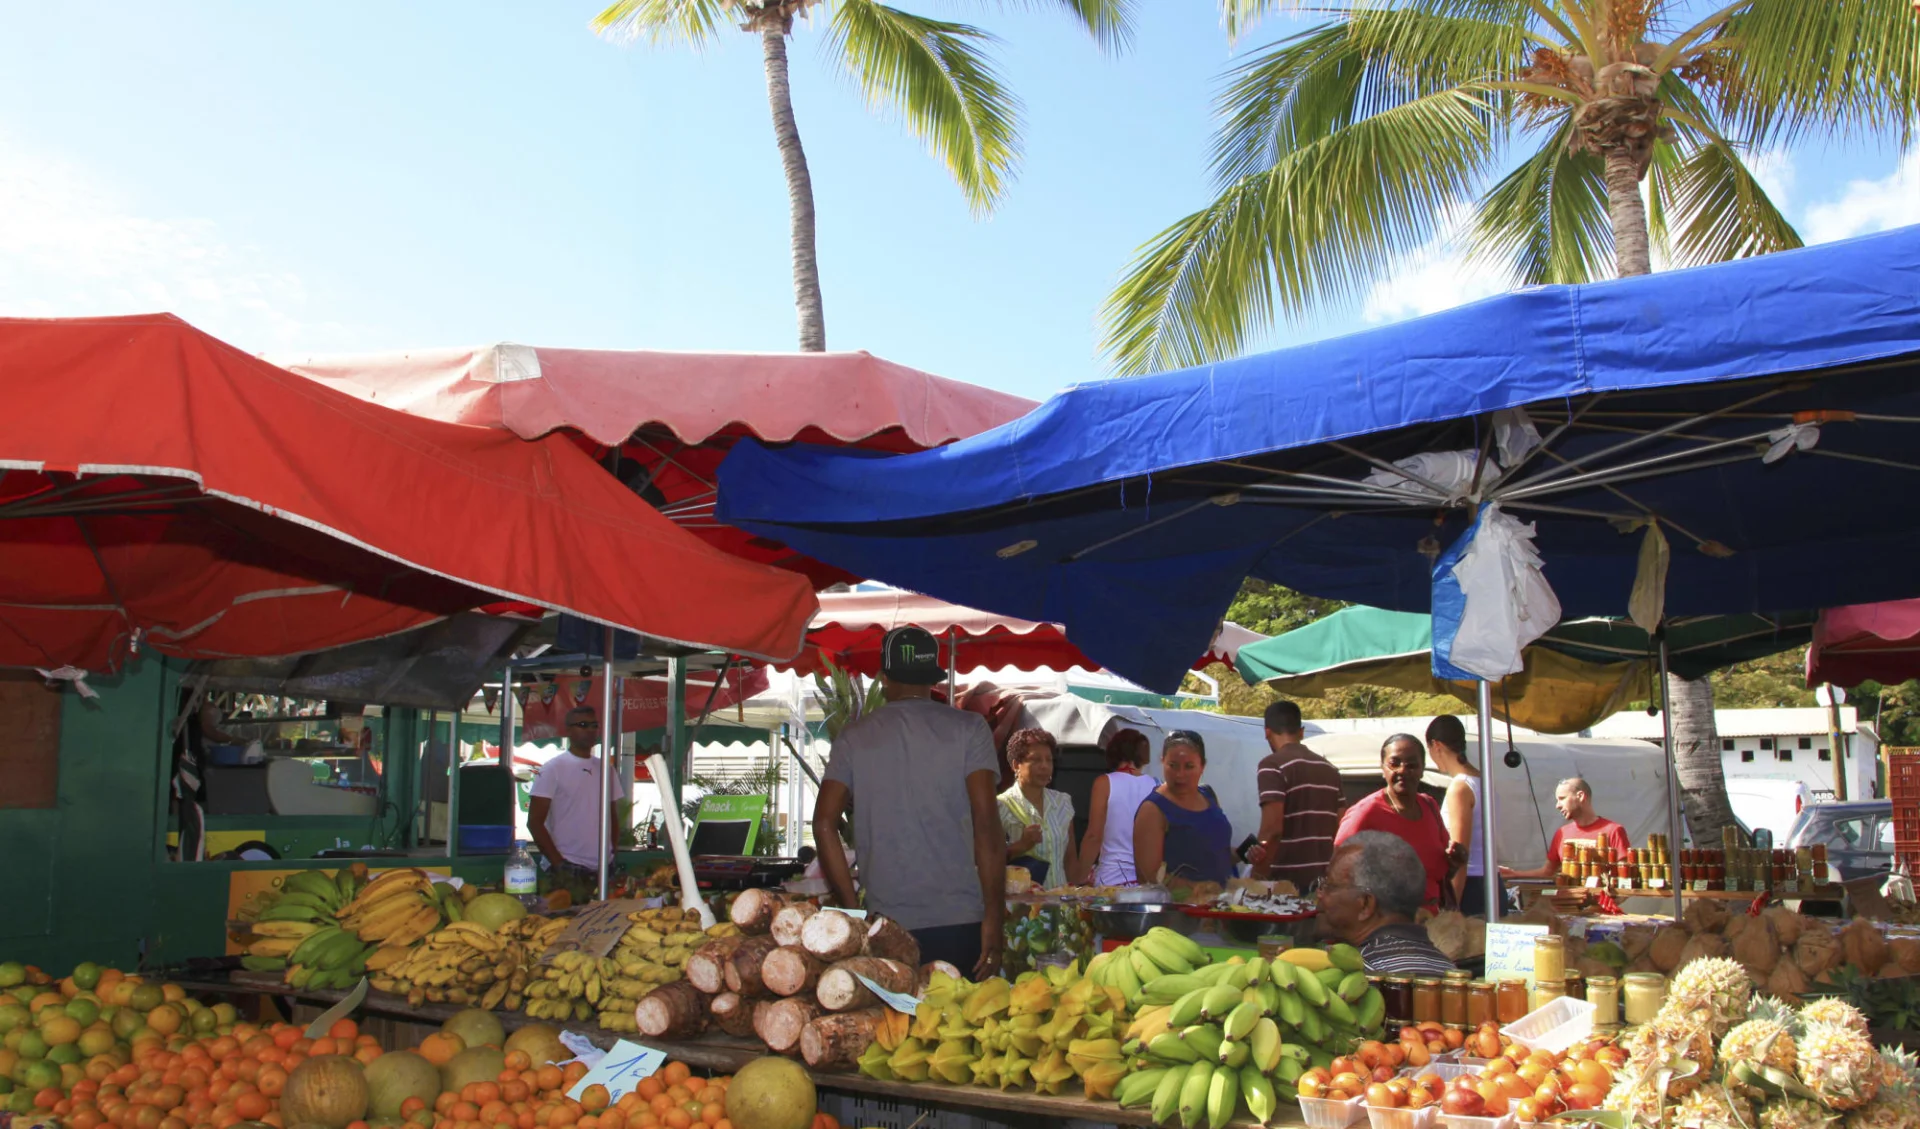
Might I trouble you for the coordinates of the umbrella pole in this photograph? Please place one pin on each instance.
(506, 719)
(609, 735)
(953, 660)
(1490, 879)
(1673, 784)
(453, 783)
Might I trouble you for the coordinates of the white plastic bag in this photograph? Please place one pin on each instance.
(1507, 600)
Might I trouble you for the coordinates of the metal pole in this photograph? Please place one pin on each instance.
(453, 784)
(506, 719)
(953, 660)
(679, 749)
(1673, 783)
(1835, 742)
(426, 754)
(1489, 860)
(608, 758)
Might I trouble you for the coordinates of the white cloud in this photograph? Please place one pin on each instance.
(1869, 205)
(1775, 171)
(1439, 276)
(70, 245)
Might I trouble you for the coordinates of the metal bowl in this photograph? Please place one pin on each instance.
(1128, 922)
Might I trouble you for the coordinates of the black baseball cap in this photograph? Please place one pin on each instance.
(911, 655)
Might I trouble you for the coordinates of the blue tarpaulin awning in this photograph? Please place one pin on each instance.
(1761, 412)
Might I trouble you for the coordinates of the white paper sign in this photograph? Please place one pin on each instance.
(623, 1069)
(898, 1001)
(1510, 950)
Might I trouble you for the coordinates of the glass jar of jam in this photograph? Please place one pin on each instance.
(1549, 957)
(1426, 999)
(1480, 1003)
(1397, 994)
(1545, 992)
(1603, 992)
(1643, 993)
(1510, 999)
(1576, 986)
(1453, 1002)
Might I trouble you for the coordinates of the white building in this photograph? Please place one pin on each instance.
(1777, 744)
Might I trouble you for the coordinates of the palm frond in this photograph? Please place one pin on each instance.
(693, 22)
(1110, 22)
(936, 76)
(1546, 221)
(1238, 17)
(1321, 225)
(1785, 70)
(1720, 211)
(1326, 78)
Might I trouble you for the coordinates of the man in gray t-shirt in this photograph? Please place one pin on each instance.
(923, 777)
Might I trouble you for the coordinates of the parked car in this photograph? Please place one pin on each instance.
(1772, 803)
(1858, 835)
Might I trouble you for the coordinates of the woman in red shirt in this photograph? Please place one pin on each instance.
(1402, 809)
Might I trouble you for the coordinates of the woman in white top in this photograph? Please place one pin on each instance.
(1038, 821)
(1447, 745)
(1107, 850)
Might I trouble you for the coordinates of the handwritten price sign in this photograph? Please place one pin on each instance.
(624, 1068)
(596, 929)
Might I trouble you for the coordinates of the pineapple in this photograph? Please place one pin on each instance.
(1712, 1107)
(1655, 1044)
(1713, 988)
(1897, 1105)
(1766, 1038)
(1839, 1065)
(1793, 1113)
(1836, 1011)
(1633, 1096)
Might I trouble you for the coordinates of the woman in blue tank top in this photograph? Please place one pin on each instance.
(1181, 824)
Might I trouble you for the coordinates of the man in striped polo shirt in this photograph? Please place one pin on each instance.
(1374, 887)
(1300, 802)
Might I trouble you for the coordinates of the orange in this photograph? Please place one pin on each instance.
(595, 1098)
(518, 1060)
(675, 1073)
(677, 1119)
(548, 1078)
(344, 1029)
(321, 1046)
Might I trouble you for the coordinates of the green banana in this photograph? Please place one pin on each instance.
(1313, 1028)
(300, 911)
(1281, 973)
(1238, 976)
(1269, 997)
(1259, 1095)
(1241, 1020)
(1216, 1003)
(1143, 965)
(1164, 954)
(1263, 1042)
(1310, 989)
(1371, 1011)
(1223, 1095)
(1168, 1046)
(1213, 974)
(1193, 1094)
(1120, 974)
(1338, 1011)
(1291, 1010)
(1205, 1039)
(1137, 1088)
(1290, 1069)
(297, 898)
(1166, 989)
(318, 883)
(263, 964)
(1186, 1010)
(1330, 978)
(309, 947)
(1233, 1054)
(1186, 946)
(1346, 958)
(1353, 987)
(1166, 1096)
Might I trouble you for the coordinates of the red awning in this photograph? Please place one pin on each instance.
(1866, 642)
(673, 416)
(850, 626)
(158, 486)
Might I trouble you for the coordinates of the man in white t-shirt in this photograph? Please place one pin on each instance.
(564, 816)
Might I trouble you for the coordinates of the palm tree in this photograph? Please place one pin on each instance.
(1526, 129)
(935, 74)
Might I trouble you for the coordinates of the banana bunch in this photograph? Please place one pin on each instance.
(573, 987)
(460, 963)
(328, 957)
(399, 908)
(657, 943)
(306, 904)
(1204, 1041)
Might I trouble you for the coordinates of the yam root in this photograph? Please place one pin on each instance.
(707, 966)
(732, 1014)
(834, 936)
(1669, 944)
(754, 910)
(886, 938)
(839, 991)
(1864, 946)
(1786, 924)
(779, 1023)
(672, 1011)
(790, 920)
(791, 971)
(836, 1042)
(1905, 951)
(927, 970)
(743, 967)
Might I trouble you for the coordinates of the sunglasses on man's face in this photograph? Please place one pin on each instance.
(582, 724)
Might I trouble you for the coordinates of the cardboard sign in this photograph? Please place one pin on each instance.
(899, 1001)
(595, 930)
(1510, 950)
(621, 1071)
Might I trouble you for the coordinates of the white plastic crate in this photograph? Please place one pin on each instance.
(1326, 1113)
(1447, 1071)
(1554, 1026)
(1384, 1117)
(1462, 1121)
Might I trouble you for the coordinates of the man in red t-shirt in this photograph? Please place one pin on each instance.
(1574, 798)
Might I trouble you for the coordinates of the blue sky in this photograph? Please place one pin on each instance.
(355, 176)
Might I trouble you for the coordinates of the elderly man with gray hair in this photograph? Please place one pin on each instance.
(1374, 886)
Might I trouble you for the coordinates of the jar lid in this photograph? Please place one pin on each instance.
(1603, 981)
(1426, 982)
(1459, 974)
(1644, 978)
(1399, 979)
(1479, 984)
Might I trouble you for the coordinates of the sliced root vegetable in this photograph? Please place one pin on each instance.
(732, 1014)
(833, 936)
(672, 1011)
(754, 910)
(779, 1023)
(836, 1042)
(743, 967)
(927, 971)
(839, 990)
(790, 920)
(791, 971)
(885, 938)
(707, 966)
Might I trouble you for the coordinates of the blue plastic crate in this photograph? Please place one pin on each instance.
(486, 838)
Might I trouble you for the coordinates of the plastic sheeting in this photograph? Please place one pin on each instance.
(1152, 498)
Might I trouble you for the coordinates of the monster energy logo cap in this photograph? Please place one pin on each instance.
(910, 655)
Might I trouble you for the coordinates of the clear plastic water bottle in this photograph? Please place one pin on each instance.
(523, 876)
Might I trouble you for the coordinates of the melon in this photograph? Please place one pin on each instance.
(330, 1090)
(494, 910)
(541, 1043)
(394, 1077)
(475, 1064)
(477, 1027)
(771, 1093)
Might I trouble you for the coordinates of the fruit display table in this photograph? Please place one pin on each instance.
(713, 1052)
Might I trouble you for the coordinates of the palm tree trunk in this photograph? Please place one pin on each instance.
(806, 266)
(1696, 751)
(1631, 252)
